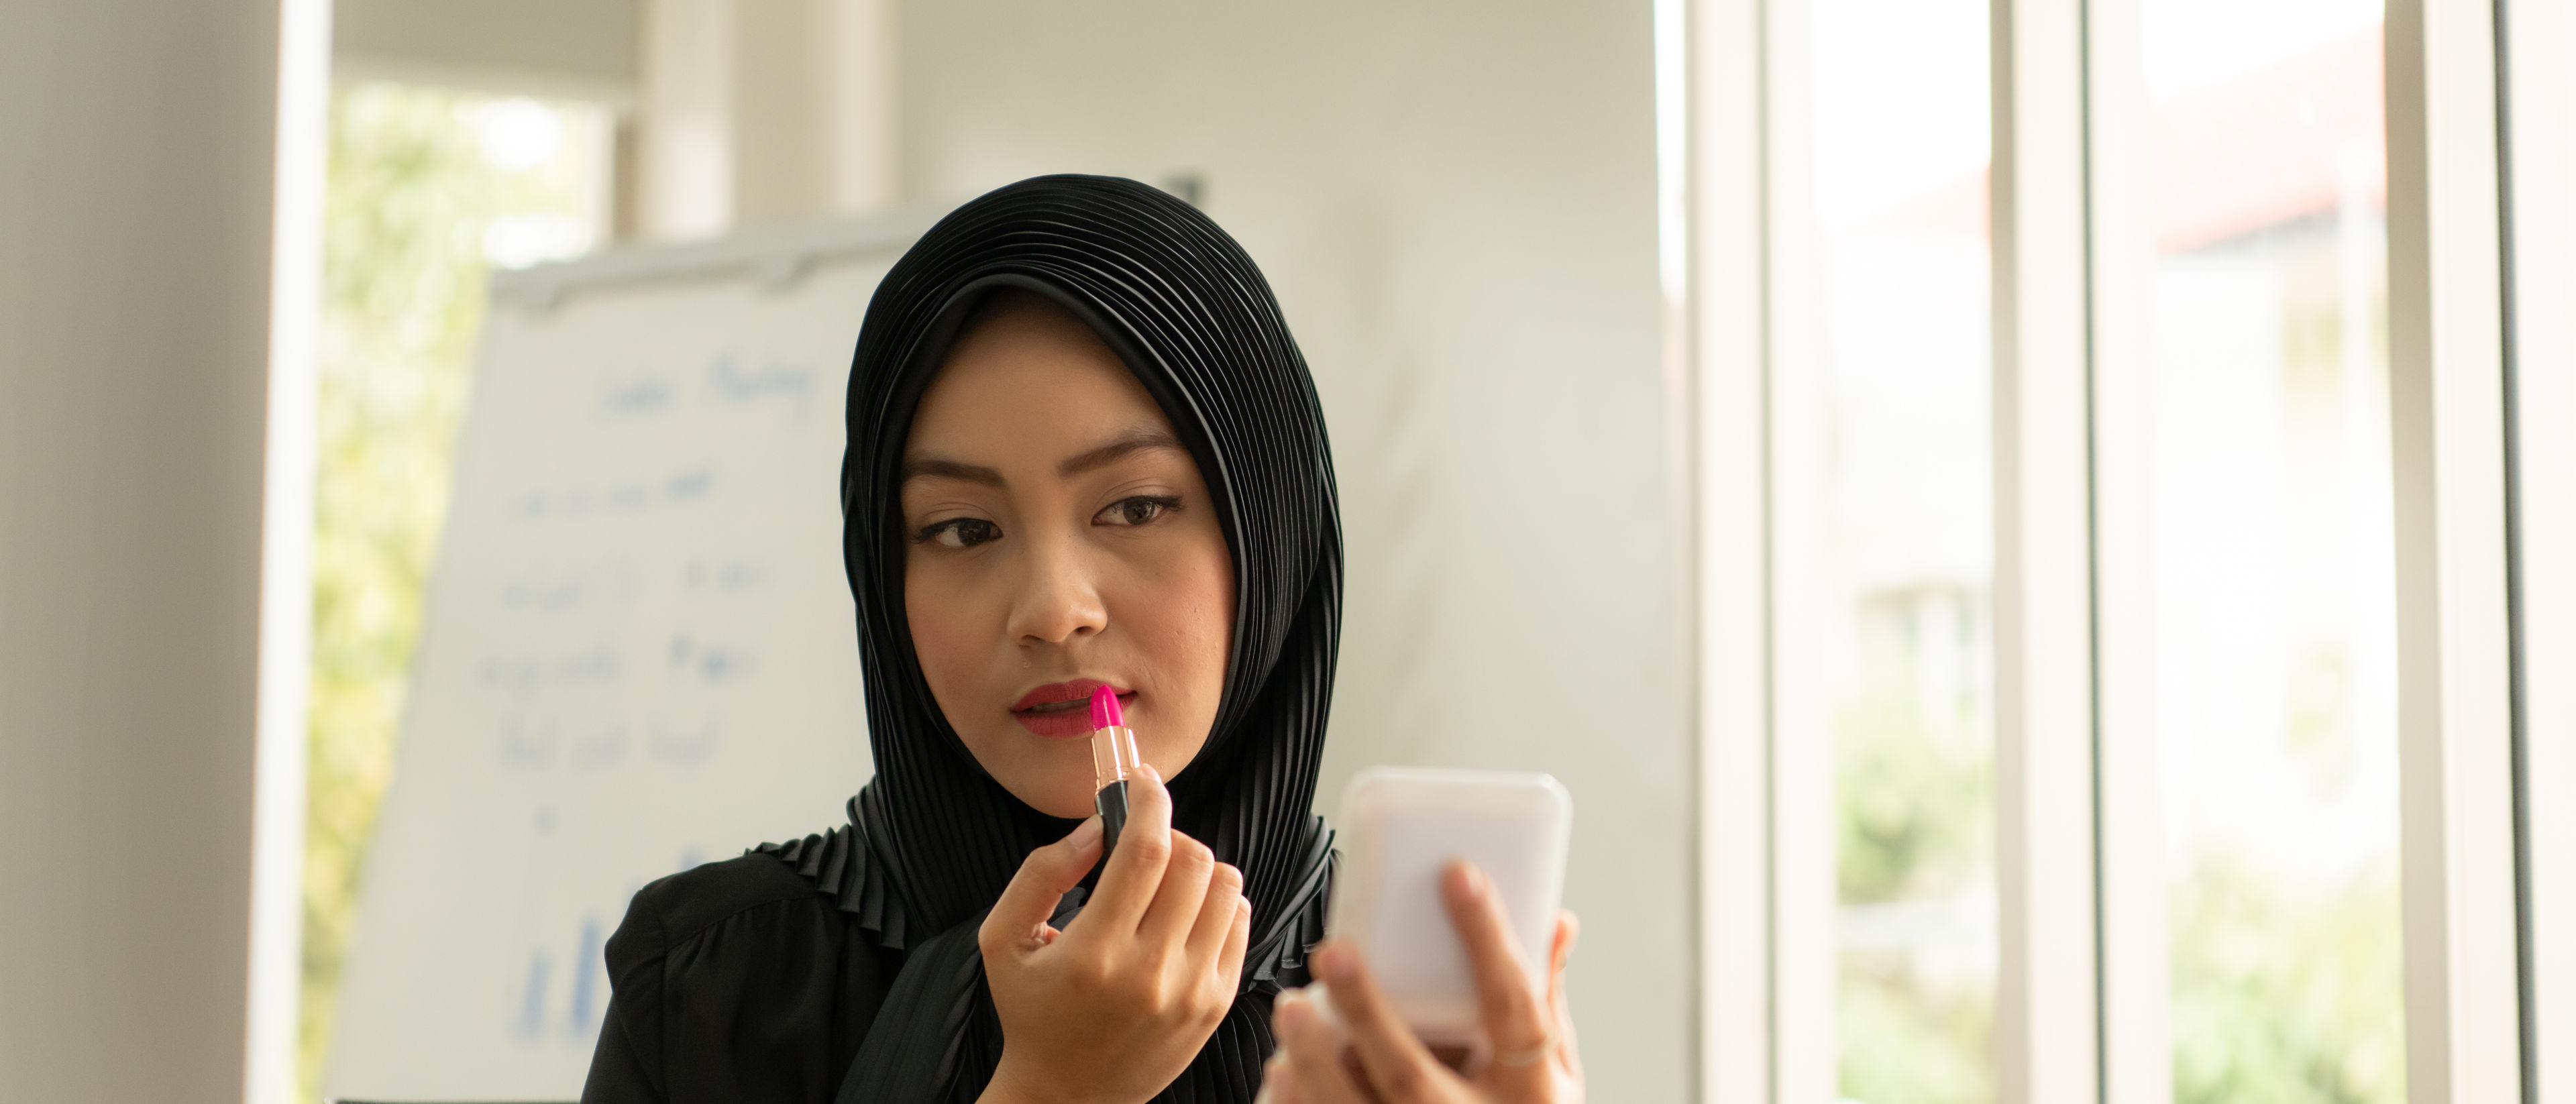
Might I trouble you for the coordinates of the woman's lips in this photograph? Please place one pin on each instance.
(1062, 710)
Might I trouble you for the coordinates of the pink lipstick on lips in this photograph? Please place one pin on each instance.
(1056, 710)
(1113, 758)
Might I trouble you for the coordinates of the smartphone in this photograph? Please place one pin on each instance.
(1399, 827)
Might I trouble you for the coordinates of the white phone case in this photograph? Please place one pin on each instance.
(1399, 828)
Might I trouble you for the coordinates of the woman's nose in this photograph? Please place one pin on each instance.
(1057, 602)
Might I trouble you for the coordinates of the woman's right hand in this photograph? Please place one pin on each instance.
(1111, 1009)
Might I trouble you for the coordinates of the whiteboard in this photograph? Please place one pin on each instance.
(638, 650)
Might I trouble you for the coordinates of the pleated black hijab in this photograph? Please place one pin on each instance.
(1184, 306)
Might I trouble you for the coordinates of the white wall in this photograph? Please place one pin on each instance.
(1456, 203)
(134, 300)
(762, 111)
(576, 48)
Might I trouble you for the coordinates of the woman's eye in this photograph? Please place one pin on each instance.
(959, 532)
(1139, 510)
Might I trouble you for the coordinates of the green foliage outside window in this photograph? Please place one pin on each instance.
(2282, 990)
(1914, 797)
(2283, 996)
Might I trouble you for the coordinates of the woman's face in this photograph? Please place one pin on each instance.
(1059, 538)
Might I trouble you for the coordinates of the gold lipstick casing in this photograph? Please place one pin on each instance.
(1113, 755)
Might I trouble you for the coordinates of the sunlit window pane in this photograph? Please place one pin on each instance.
(1900, 135)
(2272, 582)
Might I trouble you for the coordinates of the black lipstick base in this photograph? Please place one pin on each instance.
(1111, 802)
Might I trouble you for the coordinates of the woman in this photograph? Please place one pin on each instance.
(1084, 452)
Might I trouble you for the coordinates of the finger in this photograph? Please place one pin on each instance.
(1561, 948)
(1238, 937)
(1568, 929)
(1515, 1016)
(1187, 875)
(1216, 920)
(1277, 1087)
(1026, 904)
(1313, 1072)
(1398, 1065)
(1569, 1050)
(1135, 868)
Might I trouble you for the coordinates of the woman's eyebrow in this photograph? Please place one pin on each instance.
(932, 467)
(1125, 444)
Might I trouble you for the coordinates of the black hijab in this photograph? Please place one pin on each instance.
(1184, 306)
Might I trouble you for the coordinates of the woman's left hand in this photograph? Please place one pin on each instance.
(1533, 1060)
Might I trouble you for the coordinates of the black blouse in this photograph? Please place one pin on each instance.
(758, 980)
(740, 982)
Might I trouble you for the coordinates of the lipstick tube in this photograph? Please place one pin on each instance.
(1113, 758)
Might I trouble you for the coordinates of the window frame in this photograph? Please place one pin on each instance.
(2538, 87)
(2486, 551)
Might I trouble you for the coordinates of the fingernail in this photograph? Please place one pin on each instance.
(1472, 878)
(1333, 962)
(1085, 834)
(1147, 769)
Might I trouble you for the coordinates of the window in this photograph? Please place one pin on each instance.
(427, 188)
(2269, 549)
(1903, 641)
(2251, 493)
